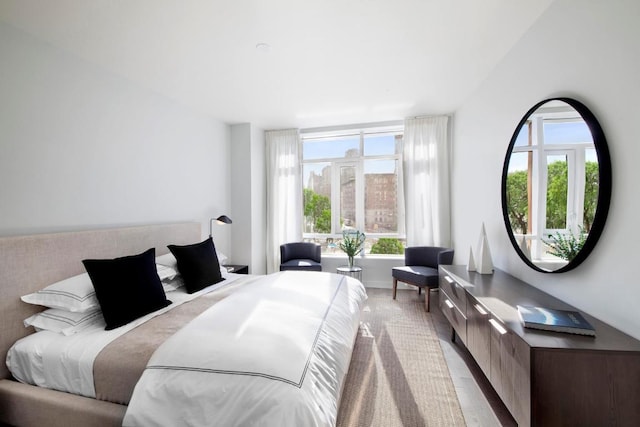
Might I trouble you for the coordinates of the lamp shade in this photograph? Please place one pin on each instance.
(223, 219)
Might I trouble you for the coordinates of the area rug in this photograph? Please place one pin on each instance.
(398, 375)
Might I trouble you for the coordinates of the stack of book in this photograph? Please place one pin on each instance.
(549, 319)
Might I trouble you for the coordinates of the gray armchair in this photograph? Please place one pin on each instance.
(300, 256)
(421, 268)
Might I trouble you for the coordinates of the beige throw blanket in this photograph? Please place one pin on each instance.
(119, 365)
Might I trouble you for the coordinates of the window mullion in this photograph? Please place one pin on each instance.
(360, 186)
(360, 195)
(335, 198)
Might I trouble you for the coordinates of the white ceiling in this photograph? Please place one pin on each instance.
(330, 62)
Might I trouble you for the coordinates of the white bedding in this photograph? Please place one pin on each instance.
(274, 353)
(52, 360)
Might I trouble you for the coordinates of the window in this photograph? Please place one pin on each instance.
(352, 180)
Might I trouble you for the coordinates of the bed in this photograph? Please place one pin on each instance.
(267, 369)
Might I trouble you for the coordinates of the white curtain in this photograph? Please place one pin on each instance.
(426, 181)
(284, 193)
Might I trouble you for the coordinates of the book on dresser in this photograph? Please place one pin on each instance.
(555, 320)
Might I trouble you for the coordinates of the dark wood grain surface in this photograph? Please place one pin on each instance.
(543, 378)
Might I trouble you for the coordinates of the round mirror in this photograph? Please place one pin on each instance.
(556, 185)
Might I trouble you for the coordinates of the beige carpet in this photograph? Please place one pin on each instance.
(398, 375)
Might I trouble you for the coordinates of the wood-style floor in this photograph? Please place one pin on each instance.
(480, 404)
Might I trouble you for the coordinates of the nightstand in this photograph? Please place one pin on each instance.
(237, 268)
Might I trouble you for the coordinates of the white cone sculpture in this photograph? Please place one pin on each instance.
(484, 265)
(471, 265)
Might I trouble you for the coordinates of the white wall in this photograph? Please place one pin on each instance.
(588, 50)
(258, 201)
(248, 197)
(83, 148)
(240, 183)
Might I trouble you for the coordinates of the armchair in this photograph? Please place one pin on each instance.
(421, 268)
(300, 256)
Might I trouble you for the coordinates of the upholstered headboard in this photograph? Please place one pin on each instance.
(30, 263)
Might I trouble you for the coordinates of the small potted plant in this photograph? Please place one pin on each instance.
(564, 246)
(352, 244)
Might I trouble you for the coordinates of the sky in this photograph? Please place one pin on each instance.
(560, 133)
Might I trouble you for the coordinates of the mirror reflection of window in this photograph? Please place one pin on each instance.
(557, 202)
(519, 193)
(591, 187)
(552, 181)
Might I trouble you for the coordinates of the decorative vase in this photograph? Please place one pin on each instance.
(350, 261)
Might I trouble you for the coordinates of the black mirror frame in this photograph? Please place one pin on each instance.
(604, 190)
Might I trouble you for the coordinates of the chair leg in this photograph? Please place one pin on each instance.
(426, 298)
(395, 287)
(419, 290)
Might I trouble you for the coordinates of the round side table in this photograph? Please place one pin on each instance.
(355, 272)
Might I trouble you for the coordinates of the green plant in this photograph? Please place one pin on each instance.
(317, 212)
(387, 245)
(352, 243)
(566, 246)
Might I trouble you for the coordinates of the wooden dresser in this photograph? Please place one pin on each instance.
(543, 378)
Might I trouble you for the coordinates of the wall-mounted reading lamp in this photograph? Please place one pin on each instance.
(222, 219)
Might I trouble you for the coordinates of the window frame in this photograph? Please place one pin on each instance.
(358, 163)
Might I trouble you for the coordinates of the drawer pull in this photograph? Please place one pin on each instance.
(449, 303)
(480, 310)
(449, 279)
(498, 327)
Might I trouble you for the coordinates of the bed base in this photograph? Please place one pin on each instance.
(31, 406)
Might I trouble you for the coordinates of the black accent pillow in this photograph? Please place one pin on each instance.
(198, 264)
(127, 287)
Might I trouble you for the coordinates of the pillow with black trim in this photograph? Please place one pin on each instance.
(127, 287)
(75, 294)
(63, 321)
(198, 264)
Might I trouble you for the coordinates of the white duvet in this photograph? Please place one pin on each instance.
(274, 353)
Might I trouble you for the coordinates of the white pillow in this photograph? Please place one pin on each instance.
(172, 284)
(224, 272)
(165, 272)
(75, 294)
(63, 321)
(168, 260)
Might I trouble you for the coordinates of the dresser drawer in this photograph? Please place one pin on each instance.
(453, 314)
(454, 290)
